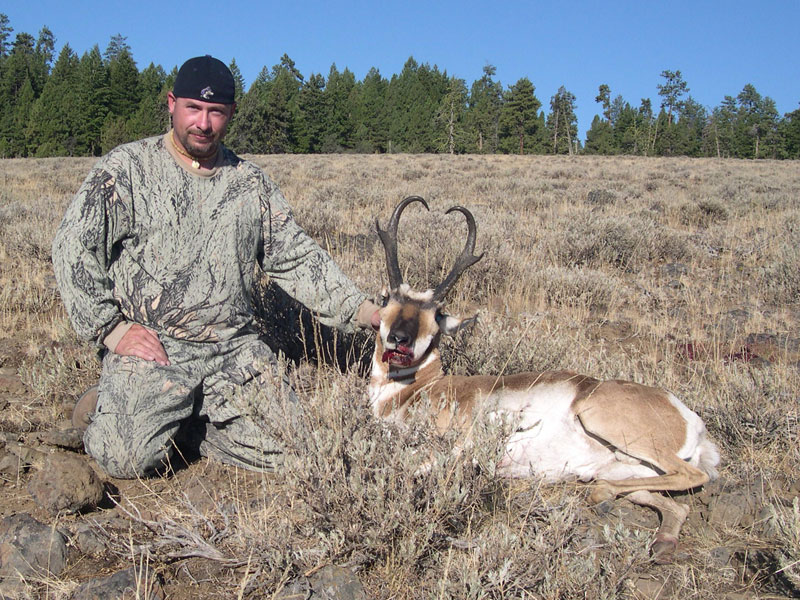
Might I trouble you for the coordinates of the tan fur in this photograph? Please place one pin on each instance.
(638, 422)
(629, 438)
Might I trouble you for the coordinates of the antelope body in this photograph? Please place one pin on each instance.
(627, 438)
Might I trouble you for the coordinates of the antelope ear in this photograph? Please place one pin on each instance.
(383, 297)
(451, 325)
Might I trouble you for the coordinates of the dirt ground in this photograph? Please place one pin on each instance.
(671, 272)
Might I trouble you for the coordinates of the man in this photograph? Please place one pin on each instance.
(155, 259)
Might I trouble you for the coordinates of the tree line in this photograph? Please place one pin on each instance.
(85, 106)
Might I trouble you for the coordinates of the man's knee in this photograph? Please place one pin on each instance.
(124, 457)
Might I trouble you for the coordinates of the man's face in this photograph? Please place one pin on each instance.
(199, 126)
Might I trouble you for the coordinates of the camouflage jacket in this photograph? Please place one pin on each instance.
(147, 240)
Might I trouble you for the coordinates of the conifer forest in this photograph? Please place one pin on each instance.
(71, 105)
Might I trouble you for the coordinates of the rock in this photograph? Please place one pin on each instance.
(330, 583)
(26, 456)
(674, 270)
(8, 437)
(10, 466)
(336, 583)
(71, 438)
(720, 556)
(774, 346)
(121, 585)
(29, 548)
(66, 483)
(762, 565)
(731, 509)
(11, 384)
(648, 588)
(298, 588)
(86, 540)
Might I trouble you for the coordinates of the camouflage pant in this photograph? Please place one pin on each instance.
(206, 396)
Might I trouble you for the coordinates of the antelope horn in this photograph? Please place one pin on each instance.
(389, 239)
(464, 260)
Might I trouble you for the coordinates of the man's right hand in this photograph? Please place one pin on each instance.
(143, 343)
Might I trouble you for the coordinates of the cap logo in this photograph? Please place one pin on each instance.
(206, 93)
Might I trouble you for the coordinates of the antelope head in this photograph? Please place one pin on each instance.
(412, 321)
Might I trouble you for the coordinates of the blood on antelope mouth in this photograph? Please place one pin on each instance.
(400, 355)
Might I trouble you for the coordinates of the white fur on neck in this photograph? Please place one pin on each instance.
(386, 382)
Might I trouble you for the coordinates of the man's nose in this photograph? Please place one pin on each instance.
(203, 121)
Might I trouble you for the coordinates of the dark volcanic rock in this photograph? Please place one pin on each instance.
(29, 548)
(121, 585)
(330, 583)
(66, 483)
(71, 438)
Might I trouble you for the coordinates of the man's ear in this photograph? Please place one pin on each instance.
(451, 325)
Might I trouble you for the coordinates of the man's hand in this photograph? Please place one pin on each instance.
(143, 343)
(375, 320)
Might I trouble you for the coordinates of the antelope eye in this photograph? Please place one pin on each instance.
(384, 300)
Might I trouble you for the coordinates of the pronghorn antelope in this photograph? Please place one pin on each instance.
(628, 438)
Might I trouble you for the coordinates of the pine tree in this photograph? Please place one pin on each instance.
(562, 124)
(115, 132)
(790, 132)
(18, 91)
(626, 127)
(372, 127)
(248, 130)
(283, 113)
(649, 126)
(5, 32)
(20, 119)
(451, 116)
(339, 127)
(672, 90)
(755, 129)
(485, 102)
(413, 100)
(311, 121)
(42, 58)
(53, 122)
(519, 122)
(151, 116)
(123, 80)
(93, 102)
(599, 137)
(238, 80)
(604, 99)
(116, 46)
(720, 128)
(692, 121)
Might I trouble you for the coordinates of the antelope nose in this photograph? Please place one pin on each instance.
(398, 337)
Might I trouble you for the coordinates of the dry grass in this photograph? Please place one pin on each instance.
(658, 270)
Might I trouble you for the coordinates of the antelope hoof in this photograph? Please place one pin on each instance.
(601, 493)
(663, 549)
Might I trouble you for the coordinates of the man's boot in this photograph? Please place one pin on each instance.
(84, 409)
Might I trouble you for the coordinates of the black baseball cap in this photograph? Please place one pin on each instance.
(205, 78)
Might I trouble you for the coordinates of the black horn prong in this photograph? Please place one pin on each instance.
(389, 239)
(464, 260)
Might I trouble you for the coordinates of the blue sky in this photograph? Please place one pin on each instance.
(718, 46)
